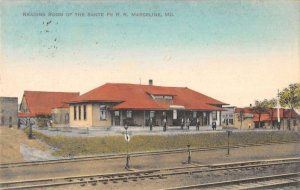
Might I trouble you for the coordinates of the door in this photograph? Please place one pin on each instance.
(117, 118)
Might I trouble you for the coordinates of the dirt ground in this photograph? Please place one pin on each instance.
(149, 162)
(10, 142)
(202, 158)
(11, 139)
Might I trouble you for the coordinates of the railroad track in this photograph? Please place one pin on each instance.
(155, 174)
(136, 154)
(265, 182)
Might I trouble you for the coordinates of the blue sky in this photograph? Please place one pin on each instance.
(222, 38)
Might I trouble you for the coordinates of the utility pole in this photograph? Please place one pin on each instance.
(241, 117)
(30, 128)
(127, 138)
(228, 141)
(189, 154)
(278, 110)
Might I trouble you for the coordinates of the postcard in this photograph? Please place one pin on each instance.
(131, 94)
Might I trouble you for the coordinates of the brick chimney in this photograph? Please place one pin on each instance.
(150, 82)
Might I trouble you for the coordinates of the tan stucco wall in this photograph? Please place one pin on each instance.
(83, 122)
(59, 115)
(245, 123)
(96, 117)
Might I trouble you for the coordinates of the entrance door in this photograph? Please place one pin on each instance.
(117, 117)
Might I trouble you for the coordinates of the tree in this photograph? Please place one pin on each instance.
(270, 105)
(290, 97)
(260, 108)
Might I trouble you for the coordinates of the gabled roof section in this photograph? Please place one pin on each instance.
(135, 96)
(41, 102)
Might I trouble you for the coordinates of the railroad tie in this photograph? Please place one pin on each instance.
(94, 183)
(125, 180)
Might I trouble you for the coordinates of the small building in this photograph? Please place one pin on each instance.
(61, 115)
(227, 116)
(288, 119)
(243, 118)
(114, 104)
(246, 118)
(8, 111)
(38, 105)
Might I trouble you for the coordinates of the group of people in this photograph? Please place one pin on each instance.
(164, 122)
(185, 123)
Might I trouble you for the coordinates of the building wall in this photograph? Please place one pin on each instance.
(97, 122)
(60, 116)
(8, 109)
(245, 123)
(88, 122)
(24, 106)
(294, 124)
(138, 117)
(227, 115)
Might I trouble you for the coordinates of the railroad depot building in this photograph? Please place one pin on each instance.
(44, 106)
(114, 104)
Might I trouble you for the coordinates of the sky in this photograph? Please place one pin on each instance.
(234, 51)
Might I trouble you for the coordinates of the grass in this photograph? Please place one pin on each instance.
(75, 146)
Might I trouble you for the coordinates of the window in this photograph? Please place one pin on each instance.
(103, 112)
(75, 112)
(168, 97)
(159, 97)
(117, 113)
(152, 114)
(194, 114)
(129, 114)
(214, 115)
(79, 112)
(174, 114)
(84, 112)
(66, 118)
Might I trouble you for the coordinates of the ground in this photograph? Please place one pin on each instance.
(12, 141)
(149, 162)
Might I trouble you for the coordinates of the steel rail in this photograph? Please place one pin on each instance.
(156, 174)
(246, 181)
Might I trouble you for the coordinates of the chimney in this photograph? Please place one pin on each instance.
(150, 82)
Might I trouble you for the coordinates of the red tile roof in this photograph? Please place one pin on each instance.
(244, 110)
(135, 96)
(41, 103)
(24, 114)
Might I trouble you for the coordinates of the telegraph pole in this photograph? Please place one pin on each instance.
(127, 138)
(30, 128)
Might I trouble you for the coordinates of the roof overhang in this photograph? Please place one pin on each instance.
(177, 107)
